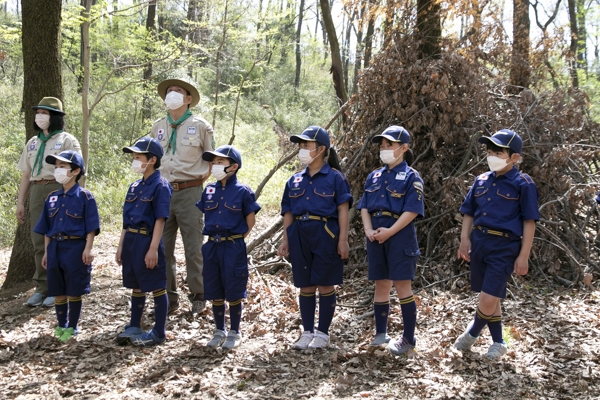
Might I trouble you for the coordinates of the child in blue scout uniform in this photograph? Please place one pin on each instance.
(392, 199)
(141, 250)
(500, 211)
(229, 209)
(315, 232)
(69, 223)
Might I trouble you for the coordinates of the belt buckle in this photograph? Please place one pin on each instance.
(304, 217)
(218, 238)
(175, 186)
(60, 237)
(378, 213)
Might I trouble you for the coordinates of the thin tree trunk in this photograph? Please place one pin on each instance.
(369, 40)
(351, 16)
(429, 28)
(150, 22)
(572, 56)
(85, 89)
(581, 35)
(358, 51)
(41, 77)
(298, 36)
(520, 69)
(336, 61)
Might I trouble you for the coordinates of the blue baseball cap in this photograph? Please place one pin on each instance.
(146, 145)
(224, 151)
(506, 139)
(69, 156)
(393, 133)
(312, 134)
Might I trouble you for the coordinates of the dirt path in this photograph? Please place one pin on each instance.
(554, 348)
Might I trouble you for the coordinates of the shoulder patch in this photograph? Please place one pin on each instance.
(88, 194)
(526, 178)
(340, 173)
(418, 185)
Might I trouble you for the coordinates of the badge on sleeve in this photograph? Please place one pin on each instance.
(481, 179)
(53, 199)
(161, 134)
(133, 185)
(418, 186)
(400, 176)
(32, 145)
(191, 130)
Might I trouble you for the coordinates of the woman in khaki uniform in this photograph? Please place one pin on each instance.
(38, 181)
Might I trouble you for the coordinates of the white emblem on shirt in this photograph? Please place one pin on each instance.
(210, 190)
(57, 145)
(53, 199)
(297, 179)
(191, 130)
(400, 176)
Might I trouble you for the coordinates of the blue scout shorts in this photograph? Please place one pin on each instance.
(225, 270)
(66, 273)
(313, 253)
(492, 262)
(396, 258)
(135, 273)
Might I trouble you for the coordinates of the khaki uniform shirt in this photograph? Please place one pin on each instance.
(194, 137)
(56, 144)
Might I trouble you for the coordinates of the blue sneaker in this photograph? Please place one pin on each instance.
(123, 337)
(149, 338)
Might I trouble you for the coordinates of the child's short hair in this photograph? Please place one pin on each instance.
(148, 146)
(503, 139)
(226, 151)
(74, 159)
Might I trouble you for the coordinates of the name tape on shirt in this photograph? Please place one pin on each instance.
(400, 176)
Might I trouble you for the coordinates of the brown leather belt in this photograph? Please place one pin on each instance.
(44, 181)
(187, 184)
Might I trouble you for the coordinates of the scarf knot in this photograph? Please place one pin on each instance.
(39, 157)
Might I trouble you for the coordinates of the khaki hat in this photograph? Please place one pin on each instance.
(51, 104)
(164, 85)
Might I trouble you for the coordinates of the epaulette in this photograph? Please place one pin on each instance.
(88, 194)
(340, 173)
(526, 178)
(50, 194)
(164, 181)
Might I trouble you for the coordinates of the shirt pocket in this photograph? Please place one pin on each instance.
(75, 212)
(480, 191)
(190, 148)
(146, 198)
(296, 193)
(131, 197)
(233, 206)
(325, 192)
(210, 207)
(508, 194)
(373, 188)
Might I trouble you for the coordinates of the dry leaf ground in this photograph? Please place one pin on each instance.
(554, 347)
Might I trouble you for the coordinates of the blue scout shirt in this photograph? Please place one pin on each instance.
(502, 202)
(146, 201)
(226, 207)
(73, 213)
(396, 190)
(320, 194)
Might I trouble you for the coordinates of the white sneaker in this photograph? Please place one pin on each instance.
(35, 300)
(48, 302)
(496, 351)
(233, 340)
(304, 341)
(320, 341)
(217, 339)
(465, 341)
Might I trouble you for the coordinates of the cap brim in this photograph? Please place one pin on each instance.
(51, 159)
(164, 85)
(210, 155)
(56, 110)
(379, 138)
(487, 139)
(133, 149)
(301, 138)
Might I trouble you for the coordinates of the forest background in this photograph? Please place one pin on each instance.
(447, 71)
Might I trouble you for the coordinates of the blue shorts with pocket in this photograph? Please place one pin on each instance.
(66, 273)
(135, 273)
(313, 253)
(492, 262)
(396, 258)
(225, 269)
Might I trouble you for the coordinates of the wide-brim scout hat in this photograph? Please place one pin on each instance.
(69, 156)
(393, 133)
(312, 134)
(167, 83)
(51, 104)
(146, 145)
(506, 139)
(224, 151)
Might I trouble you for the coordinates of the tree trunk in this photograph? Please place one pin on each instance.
(369, 40)
(358, 50)
(150, 22)
(193, 35)
(572, 56)
(429, 28)
(41, 77)
(85, 89)
(390, 11)
(336, 61)
(351, 15)
(298, 35)
(520, 69)
(581, 35)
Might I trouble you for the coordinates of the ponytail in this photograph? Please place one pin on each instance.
(331, 157)
(409, 157)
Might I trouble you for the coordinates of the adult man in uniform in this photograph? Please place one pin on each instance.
(184, 137)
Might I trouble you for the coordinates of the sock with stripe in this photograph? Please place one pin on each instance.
(408, 305)
(480, 321)
(218, 308)
(235, 315)
(327, 302)
(75, 304)
(62, 308)
(138, 300)
(495, 327)
(161, 306)
(308, 303)
(382, 312)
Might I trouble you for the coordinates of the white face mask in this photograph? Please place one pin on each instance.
(496, 163)
(218, 171)
(42, 120)
(136, 166)
(60, 174)
(387, 156)
(304, 156)
(174, 100)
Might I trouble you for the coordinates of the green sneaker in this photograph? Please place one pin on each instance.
(68, 333)
(58, 331)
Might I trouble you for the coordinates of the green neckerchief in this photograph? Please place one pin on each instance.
(174, 125)
(39, 158)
